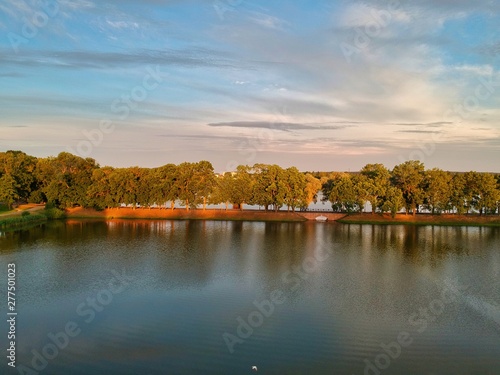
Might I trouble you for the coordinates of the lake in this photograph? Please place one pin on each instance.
(204, 297)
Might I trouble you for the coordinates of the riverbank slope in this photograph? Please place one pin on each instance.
(248, 215)
(423, 219)
(182, 214)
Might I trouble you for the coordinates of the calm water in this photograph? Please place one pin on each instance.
(332, 297)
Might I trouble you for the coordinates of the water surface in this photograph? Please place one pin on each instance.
(345, 292)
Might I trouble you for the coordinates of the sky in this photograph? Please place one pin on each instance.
(323, 85)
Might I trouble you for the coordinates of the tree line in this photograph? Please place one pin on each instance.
(69, 180)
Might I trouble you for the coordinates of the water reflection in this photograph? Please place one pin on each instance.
(194, 278)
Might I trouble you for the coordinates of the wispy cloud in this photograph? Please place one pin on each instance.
(194, 57)
(282, 126)
(266, 66)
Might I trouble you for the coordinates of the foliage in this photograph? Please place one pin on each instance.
(67, 180)
(18, 221)
(376, 182)
(313, 186)
(194, 183)
(269, 187)
(393, 201)
(409, 178)
(437, 187)
(8, 190)
(54, 213)
(17, 180)
(341, 192)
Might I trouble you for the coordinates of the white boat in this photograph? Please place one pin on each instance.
(321, 218)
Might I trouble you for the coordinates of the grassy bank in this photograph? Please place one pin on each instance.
(236, 215)
(423, 219)
(19, 222)
(181, 214)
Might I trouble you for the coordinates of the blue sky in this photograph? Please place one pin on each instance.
(329, 85)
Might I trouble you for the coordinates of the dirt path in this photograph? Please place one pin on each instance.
(19, 210)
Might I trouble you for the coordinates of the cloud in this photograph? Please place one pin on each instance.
(268, 21)
(282, 126)
(122, 24)
(192, 57)
(267, 65)
(428, 124)
(490, 50)
(419, 131)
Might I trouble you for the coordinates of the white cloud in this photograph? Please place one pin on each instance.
(122, 24)
(268, 21)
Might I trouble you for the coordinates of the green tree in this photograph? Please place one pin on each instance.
(223, 188)
(146, 181)
(393, 201)
(341, 192)
(64, 180)
(165, 185)
(459, 196)
(100, 194)
(20, 167)
(195, 183)
(269, 186)
(481, 191)
(242, 187)
(409, 177)
(437, 186)
(295, 185)
(498, 191)
(8, 190)
(123, 186)
(376, 184)
(313, 186)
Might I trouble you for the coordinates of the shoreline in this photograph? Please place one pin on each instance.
(21, 222)
(471, 220)
(182, 214)
(271, 216)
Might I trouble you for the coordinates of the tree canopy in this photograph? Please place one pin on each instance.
(68, 180)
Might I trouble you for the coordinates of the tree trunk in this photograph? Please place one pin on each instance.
(187, 204)
(172, 204)
(204, 203)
